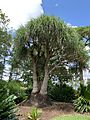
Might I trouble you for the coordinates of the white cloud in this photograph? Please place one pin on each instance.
(20, 11)
(70, 25)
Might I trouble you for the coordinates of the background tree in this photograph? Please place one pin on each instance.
(84, 33)
(5, 42)
(7, 104)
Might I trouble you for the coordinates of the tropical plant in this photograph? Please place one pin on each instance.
(34, 114)
(82, 105)
(7, 104)
(17, 89)
(49, 44)
(84, 90)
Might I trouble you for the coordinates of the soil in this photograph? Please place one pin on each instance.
(48, 113)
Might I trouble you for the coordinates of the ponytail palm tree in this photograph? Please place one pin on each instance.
(49, 43)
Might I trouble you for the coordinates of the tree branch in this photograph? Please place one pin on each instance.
(57, 66)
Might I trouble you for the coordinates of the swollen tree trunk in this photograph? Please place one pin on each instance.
(40, 98)
(43, 97)
(35, 82)
(45, 101)
(43, 90)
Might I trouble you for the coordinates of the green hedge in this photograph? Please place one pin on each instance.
(62, 93)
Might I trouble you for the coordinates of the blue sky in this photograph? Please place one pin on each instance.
(75, 12)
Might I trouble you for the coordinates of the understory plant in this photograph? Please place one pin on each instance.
(82, 105)
(18, 90)
(34, 114)
(61, 93)
(7, 104)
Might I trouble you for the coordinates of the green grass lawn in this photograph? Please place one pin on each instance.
(73, 117)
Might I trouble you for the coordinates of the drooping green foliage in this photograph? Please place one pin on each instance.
(61, 40)
(48, 31)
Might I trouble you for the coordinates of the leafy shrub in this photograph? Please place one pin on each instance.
(63, 93)
(7, 109)
(29, 89)
(7, 105)
(84, 91)
(34, 114)
(82, 105)
(87, 93)
(18, 90)
(3, 90)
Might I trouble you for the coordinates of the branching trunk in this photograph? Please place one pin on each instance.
(40, 99)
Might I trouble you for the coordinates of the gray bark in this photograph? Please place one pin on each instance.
(43, 90)
(35, 82)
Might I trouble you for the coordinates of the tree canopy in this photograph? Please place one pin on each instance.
(5, 42)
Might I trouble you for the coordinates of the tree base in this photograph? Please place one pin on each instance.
(39, 100)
